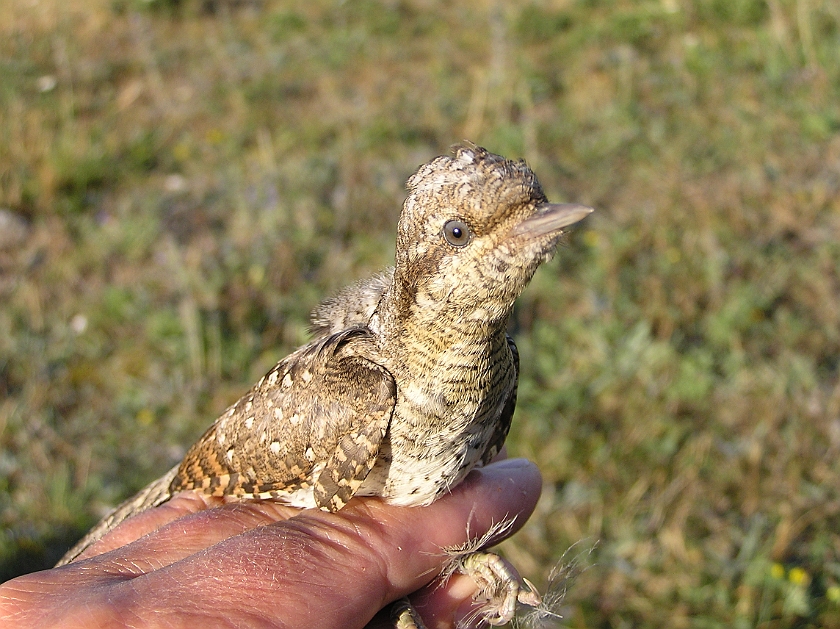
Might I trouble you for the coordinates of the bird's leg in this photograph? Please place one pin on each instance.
(499, 591)
(499, 587)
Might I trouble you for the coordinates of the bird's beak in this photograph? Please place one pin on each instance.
(551, 217)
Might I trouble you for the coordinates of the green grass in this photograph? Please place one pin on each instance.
(182, 181)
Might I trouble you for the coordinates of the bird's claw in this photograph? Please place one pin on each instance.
(529, 595)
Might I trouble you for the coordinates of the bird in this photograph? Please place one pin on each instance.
(410, 379)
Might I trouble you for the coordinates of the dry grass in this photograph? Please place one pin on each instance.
(183, 181)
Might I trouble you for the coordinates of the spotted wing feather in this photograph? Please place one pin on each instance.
(307, 434)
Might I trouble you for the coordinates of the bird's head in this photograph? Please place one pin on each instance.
(473, 230)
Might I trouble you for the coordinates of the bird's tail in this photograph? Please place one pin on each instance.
(154, 494)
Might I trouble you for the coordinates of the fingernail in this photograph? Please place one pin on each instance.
(510, 464)
(521, 471)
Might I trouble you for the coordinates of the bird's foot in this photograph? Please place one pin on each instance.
(500, 588)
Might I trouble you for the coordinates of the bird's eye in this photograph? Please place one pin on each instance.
(457, 233)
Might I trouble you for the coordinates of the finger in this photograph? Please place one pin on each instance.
(441, 606)
(150, 520)
(447, 606)
(335, 567)
(339, 568)
(172, 532)
(175, 538)
(506, 490)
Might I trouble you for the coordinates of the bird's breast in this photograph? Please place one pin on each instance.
(442, 425)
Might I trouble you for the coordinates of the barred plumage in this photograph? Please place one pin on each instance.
(411, 379)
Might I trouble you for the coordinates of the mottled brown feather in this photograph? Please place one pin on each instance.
(411, 380)
(325, 403)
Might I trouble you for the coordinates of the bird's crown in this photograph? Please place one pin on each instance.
(478, 184)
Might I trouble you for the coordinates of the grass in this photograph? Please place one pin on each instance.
(182, 181)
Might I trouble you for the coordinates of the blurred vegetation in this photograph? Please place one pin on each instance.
(181, 181)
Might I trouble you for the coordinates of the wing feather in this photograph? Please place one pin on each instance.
(308, 432)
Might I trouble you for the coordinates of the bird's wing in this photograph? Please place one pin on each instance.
(311, 428)
(497, 440)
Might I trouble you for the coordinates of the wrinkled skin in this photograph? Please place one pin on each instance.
(264, 565)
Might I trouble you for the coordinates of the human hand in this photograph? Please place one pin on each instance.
(260, 564)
